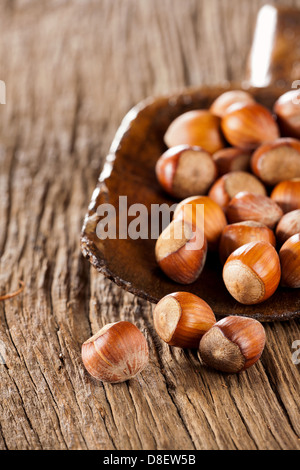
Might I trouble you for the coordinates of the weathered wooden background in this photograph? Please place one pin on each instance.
(72, 70)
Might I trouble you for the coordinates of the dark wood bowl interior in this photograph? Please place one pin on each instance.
(129, 171)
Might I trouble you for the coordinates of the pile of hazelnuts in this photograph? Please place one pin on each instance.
(241, 162)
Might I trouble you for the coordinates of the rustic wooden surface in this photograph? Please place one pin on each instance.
(72, 70)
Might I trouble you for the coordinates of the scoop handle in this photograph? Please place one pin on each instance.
(274, 58)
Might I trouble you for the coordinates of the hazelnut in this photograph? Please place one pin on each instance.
(277, 161)
(182, 318)
(241, 233)
(214, 219)
(233, 344)
(222, 104)
(247, 206)
(287, 109)
(288, 226)
(184, 171)
(287, 195)
(200, 128)
(226, 187)
(231, 159)
(290, 262)
(252, 273)
(181, 251)
(116, 353)
(249, 126)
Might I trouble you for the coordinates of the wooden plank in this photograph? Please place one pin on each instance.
(72, 71)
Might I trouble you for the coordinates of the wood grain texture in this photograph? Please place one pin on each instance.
(72, 70)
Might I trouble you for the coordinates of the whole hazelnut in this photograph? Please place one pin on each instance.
(249, 126)
(248, 206)
(116, 353)
(233, 344)
(181, 251)
(287, 109)
(252, 273)
(222, 104)
(288, 226)
(185, 171)
(241, 233)
(212, 218)
(290, 262)
(199, 127)
(229, 185)
(231, 159)
(182, 318)
(287, 195)
(277, 161)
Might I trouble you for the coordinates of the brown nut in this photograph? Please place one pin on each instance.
(185, 171)
(241, 233)
(287, 109)
(247, 206)
(252, 273)
(249, 126)
(116, 353)
(200, 128)
(182, 318)
(290, 262)
(181, 251)
(232, 159)
(277, 161)
(222, 104)
(226, 187)
(287, 195)
(233, 344)
(214, 219)
(288, 226)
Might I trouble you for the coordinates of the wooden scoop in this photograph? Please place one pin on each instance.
(129, 171)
